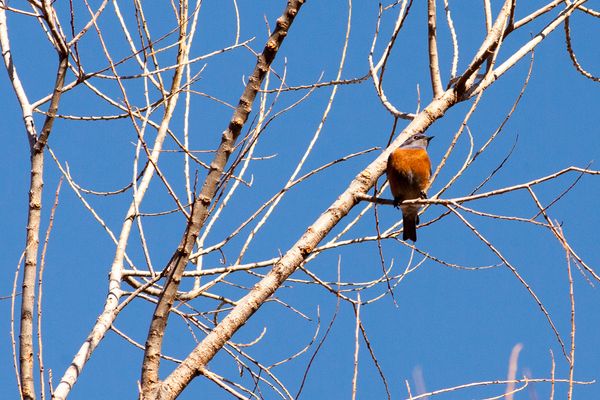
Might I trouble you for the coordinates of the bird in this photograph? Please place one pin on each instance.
(408, 172)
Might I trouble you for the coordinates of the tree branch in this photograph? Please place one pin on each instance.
(434, 63)
(200, 209)
(37, 146)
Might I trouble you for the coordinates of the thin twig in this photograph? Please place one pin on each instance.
(356, 345)
(572, 55)
(517, 275)
(12, 325)
(39, 294)
(321, 342)
(496, 382)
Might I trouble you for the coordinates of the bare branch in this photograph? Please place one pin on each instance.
(529, 46)
(496, 382)
(572, 55)
(39, 291)
(325, 335)
(487, 8)
(174, 384)
(15, 81)
(356, 345)
(534, 15)
(488, 47)
(434, 62)
(108, 315)
(37, 146)
(380, 66)
(517, 275)
(13, 342)
(454, 41)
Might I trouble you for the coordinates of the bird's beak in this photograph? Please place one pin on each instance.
(429, 138)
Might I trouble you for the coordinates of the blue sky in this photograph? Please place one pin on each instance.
(457, 326)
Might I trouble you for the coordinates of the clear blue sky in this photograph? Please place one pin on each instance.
(457, 326)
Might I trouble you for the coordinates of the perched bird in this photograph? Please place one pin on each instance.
(408, 171)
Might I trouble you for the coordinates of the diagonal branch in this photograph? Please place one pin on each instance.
(200, 209)
(526, 48)
(488, 47)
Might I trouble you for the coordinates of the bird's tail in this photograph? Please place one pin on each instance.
(410, 222)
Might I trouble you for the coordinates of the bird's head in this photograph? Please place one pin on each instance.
(417, 141)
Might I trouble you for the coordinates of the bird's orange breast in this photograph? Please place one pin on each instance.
(408, 172)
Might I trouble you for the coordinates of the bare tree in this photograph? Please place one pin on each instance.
(140, 66)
